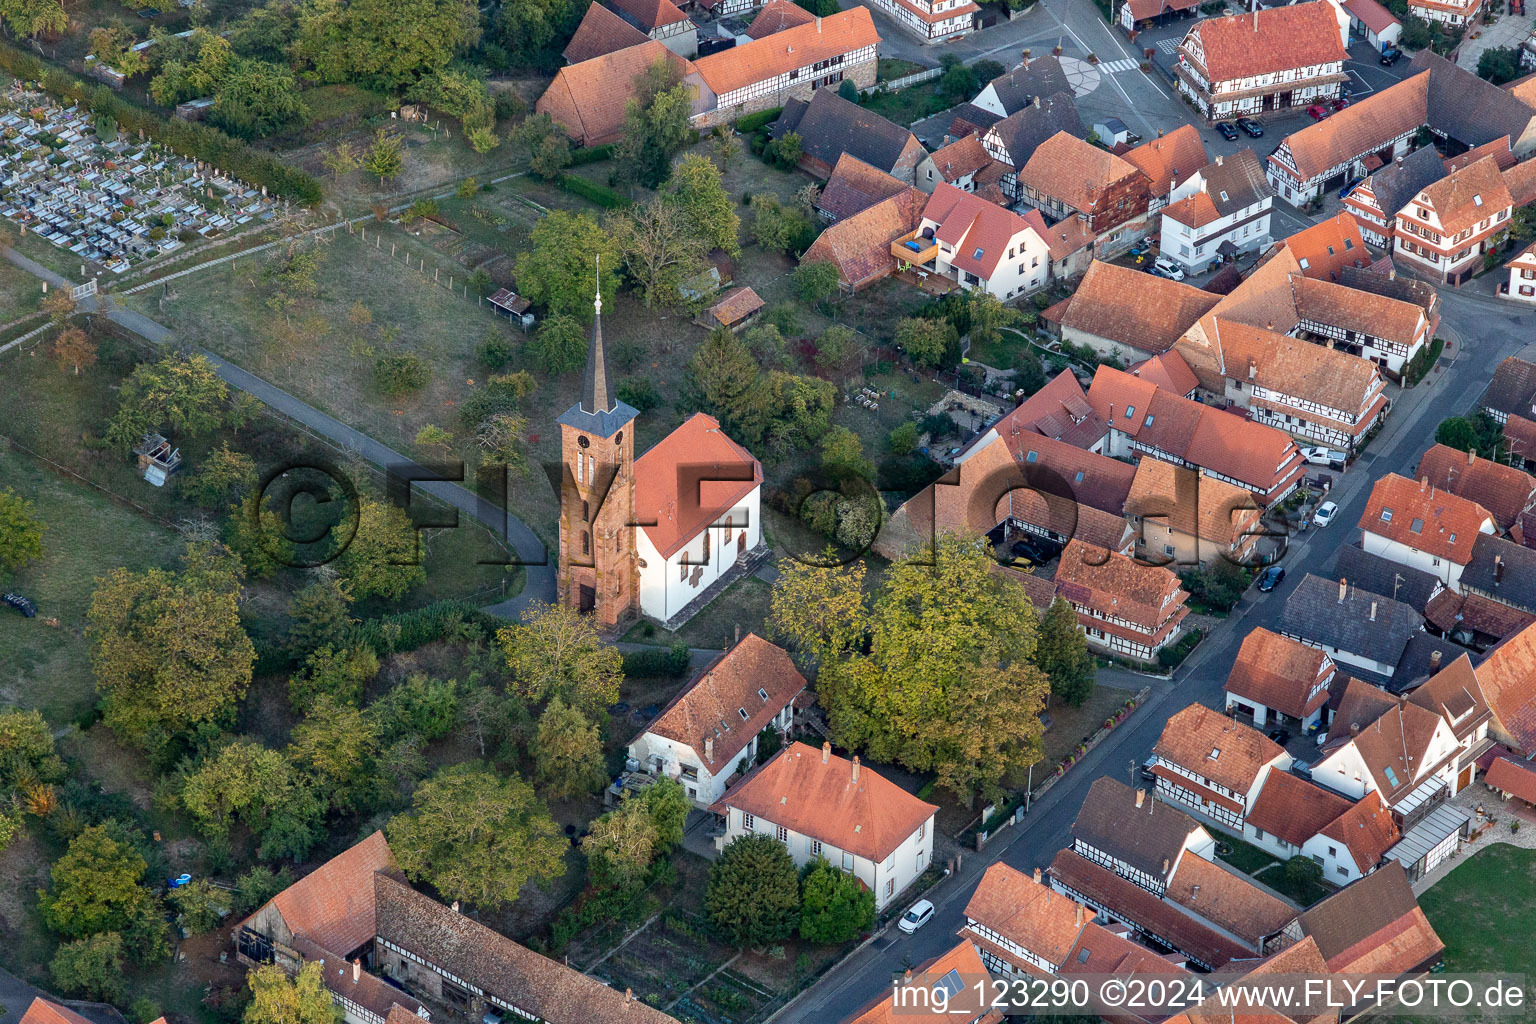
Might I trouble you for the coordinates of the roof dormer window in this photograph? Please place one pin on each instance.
(743, 713)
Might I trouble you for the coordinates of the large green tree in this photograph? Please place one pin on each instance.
(818, 608)
(257, 99)
(661, 250)
(168, 648)
(655, 124)
(478, 836)
(91, 968)
(318, 616)
(30, 18)
(753, 897)
(559, 345)
(384, 43)
(557, 270)
(183, 395)
(337, 745)
(277, 998)
(950, 684)
(567, 753)
(556, 652)
(95, 886)
(1063, 654)
(622, 843)
(834, 905)
(27, 754)
(260, 788)
(21, 531)
(383, 558)
(697, 190)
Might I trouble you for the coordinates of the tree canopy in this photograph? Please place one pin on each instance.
(567, 753)
(834, 905)
(557, 270)
(184, 395)
(21, 531)
(753, 897)
(303, 998)
(556, 652)
(95, 886)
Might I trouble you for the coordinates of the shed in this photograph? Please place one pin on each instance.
(1112, 131)
(735, 309)
(510, 304)
(158, 461)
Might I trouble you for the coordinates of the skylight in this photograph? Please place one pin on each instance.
(1082, 954)
(950, 985)
(1349, 243)
(1215, 753)
(1079, 478)
(1302, 263)
(1390, 774)
(743, 713)
(977, 254)
(1477, 200)
(1032, 457)
(1386, 515)
(1330, 251)
(1417, 526)
(763, 694)
(1150, 419)
(1130, 411)
(1223, 195)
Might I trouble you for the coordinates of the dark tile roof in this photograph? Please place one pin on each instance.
(968, 118)
(1315, 613)
(1413, 587)
(1018, 88)
(1023, 132)
(830, 126)
(1516, 584)
(1395, 185)
(1238, 176)
(1414, 666)
(1362, 911)
(1512, 388)
(1397, 286)
(1146, 837)
(1467, 108)
(505, 970)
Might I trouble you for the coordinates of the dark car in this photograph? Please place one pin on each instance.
(20, 603)
(1270, 578)
(1280, 736)
(1037, 550)
(1390, 57)
(1349, 187)
(1227, 131)
(1252, 127)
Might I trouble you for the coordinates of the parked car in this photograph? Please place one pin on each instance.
(20, 603)
(1146, 768)
(917, 915)
(1390, 56)
(1339, 103)
(1280, 736)
(1270, 578)
(1252, 127)
(1227, 131)
(1165, 267)
(1317, 112)
(1349, 187)
(1318, 455)
(1035, 550)
(1325, 514)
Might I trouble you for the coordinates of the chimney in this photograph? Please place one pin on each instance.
(826, 751)
(1373, 611)
(1423, 483)
(818, 24)
(738, 632)
(709, 748)
(1343, 590)
(1081, 913)
(1255, 19)
(1141, 797)
(1037, 102)
(1354, 728)
(629, 994)
(1434, 661)
(855, 767)
(1498, 569)
(1471, 458)
(357, 970)
(1218, 159)
(1037, 876)
(455, 906)
(1253, 368)
(1166, 865)
(907, 976)
(1392, 274)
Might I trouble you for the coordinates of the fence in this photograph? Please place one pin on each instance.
(905, 80)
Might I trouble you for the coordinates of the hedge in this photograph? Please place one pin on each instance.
(590, 155)
(752, 122)
(591, 191)
(406, 631)
(661, 661)
(191, 139)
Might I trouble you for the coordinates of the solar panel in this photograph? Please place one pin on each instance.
(949, 986)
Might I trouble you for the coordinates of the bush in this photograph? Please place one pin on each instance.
(400, 375)
(441, 620)
(640, 393)
(495, 351)
(591, 191)
(590, 155)
(761, 119)
(668, 662)
(902, 439)
(1425, 358)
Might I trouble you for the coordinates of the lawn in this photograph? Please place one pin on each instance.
(1305, 892)
(743, 605)
(1246, 857)
(1008, 352)
(20, 292)
(1070, 726)
(88, 534)
(905, 106)
(1476, 910)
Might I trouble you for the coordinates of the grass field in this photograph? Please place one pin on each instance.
(1476, 910)
(20, 292)
(87, 535)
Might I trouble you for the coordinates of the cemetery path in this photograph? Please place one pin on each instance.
(539, 572)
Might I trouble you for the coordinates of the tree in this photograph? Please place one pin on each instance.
(384, 43)
(560, 345)
(819, 610)
(21, 531)
(836, 349)
(402, 374)
(459, 93)
(27, 754)
(434, 437)
(623, 842)
(168, 649)
(668, 807)
(949, 684)
(182, 394)
(386, 157)
(834, 906)
(779, 228)
(545, 144)
(1302, 871)
(661, 252)
(567, 753)
(753, 897)
(1500, 64)
(784, 152)
(337, 746)
(1457, 432)
(501, 437)
(339, 672)
(383, 559)
(924, 340)
(816, 281)
(988, 317)
(722, 379)
(29, 18)
(842, 454)
(848, 91)
(557, 270)
(903, 438)
(726, 145)
(224, 476)
(958, 81)
(556, 652)
(698, 192)
(477, 836)
(198, 904)
(91, 968)
(1062, 654)
(258, 787)
(59, 305)
(256, 99)
(258, 885)
(318, 616)
(302, 999)
(344, 159)
(95, 886)
(655, 125)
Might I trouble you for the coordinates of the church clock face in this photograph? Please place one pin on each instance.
(618, 439)
(582, 442)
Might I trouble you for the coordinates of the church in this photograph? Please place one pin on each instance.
(660, 535)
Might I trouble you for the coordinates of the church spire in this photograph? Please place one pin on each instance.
(596, 387)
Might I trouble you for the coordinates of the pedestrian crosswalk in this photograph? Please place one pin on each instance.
(1115, 67)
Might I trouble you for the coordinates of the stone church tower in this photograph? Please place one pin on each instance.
(599, 567)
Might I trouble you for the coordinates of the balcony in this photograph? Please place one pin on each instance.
(914, 249)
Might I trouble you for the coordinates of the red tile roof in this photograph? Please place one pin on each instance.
(799, 46)
(1169, 159)
(601, 32)
(1366, 829)
(854, 186)
(1513, 777)
(333, 905)
(1520, 180)
(1169, 372)
(1294, 809)
(1138, 310)
(962, 157)
(1059, 410)
(710, 707)
(1498, 149)
(979, 231)
(42, 1011)
(1365, 125)
(1065, 167)
(1371, 14)
(1228, 899)
(651, 14)
(735, 306)
(1273, 39)
(1503, 490)
(1325, 247)
(1508, 678)
(970, 1005)
(1193, 504)
(829, 798)
(860, 245)
(1280, 673)
(690, 479)
(1216, 747)
(1025, 912)
(1195, 210)
(1425, 517)
(778, 15)
(1112, 584)
(589, 98)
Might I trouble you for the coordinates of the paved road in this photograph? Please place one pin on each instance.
(1482, 331)
(539, 572)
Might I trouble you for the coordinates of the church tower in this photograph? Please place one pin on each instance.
(599, 567)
